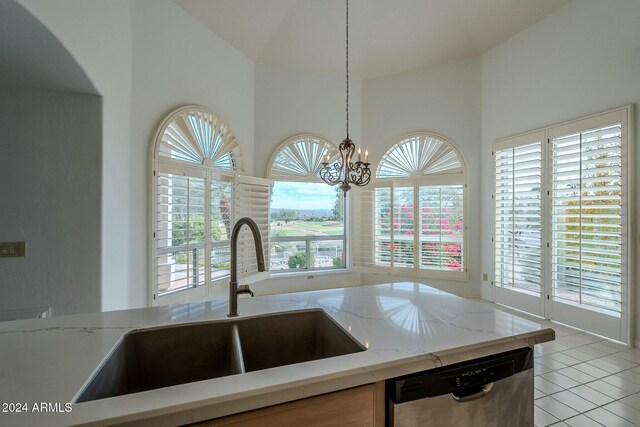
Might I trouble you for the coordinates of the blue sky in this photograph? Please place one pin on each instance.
(303, 195)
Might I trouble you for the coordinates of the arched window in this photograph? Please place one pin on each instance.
(417, 219)
(300, 158)
(307, 230)
(420, 155)
(194, 135)
(195, 157)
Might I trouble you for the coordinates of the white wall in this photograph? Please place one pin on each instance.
(444, 100)
(290, 102)
(98, 36)
(50, 197)
(145, 58)
(583, 59)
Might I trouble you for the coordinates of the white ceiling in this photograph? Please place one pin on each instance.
(386, 36)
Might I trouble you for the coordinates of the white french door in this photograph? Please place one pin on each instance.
(562, 203)
(587, 234)
(518, 207)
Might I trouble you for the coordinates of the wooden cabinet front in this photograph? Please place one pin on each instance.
(359, 406)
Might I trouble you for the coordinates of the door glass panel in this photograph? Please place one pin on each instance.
(518, 218)
(587, 219)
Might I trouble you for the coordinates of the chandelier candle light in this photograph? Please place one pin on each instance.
(344, 171)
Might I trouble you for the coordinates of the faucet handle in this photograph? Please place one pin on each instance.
(244, 289)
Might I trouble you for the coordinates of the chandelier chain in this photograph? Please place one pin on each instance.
(347, 61)
(345, 171)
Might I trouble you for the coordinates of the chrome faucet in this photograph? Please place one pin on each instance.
(234, 289)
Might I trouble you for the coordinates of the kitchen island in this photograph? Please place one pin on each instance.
(405, 327)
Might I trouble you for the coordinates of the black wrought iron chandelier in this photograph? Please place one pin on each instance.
(345, 171)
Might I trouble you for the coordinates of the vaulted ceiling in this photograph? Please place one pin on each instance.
(386, 36)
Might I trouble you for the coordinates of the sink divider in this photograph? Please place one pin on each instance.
(236, 350)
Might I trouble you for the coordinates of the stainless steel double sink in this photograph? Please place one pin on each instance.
(153, 358)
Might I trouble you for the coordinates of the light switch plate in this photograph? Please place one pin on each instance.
(13, 249)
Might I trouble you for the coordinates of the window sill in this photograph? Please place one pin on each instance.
(460, 276)
(308, 273)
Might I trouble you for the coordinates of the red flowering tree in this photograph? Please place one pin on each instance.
(439, 223)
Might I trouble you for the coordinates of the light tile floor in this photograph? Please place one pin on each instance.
(582, 380)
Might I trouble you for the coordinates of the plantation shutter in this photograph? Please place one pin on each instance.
(403, 227)
(584, 213)
(441, 227)
(518, 213)
(180, 230)
(587, 213)
(383, 233)
(363, 227)
(221, 222)
(252, 200)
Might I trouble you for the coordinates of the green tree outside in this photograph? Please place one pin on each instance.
(298, 260)
(338, 207)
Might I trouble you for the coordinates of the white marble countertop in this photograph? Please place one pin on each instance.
(406, 327)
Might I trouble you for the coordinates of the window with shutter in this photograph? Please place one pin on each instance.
(307, 224)
(417, 224)
(383, 234)
(562, 223)
(197, 197)
(363, 251)
(441, 227)
(587, 217)
(518, 217)
(222, 205)
(403, 227)
(180, 234)
(252, 200)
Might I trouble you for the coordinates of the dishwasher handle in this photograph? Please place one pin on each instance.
(465, 397)
(462, 380)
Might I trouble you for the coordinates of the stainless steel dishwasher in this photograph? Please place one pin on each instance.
(495, 390)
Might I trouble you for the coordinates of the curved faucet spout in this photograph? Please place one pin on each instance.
(233, 283)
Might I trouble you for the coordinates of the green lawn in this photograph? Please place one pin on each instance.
(306, 228)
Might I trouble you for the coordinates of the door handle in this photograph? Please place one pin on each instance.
(484, 390)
